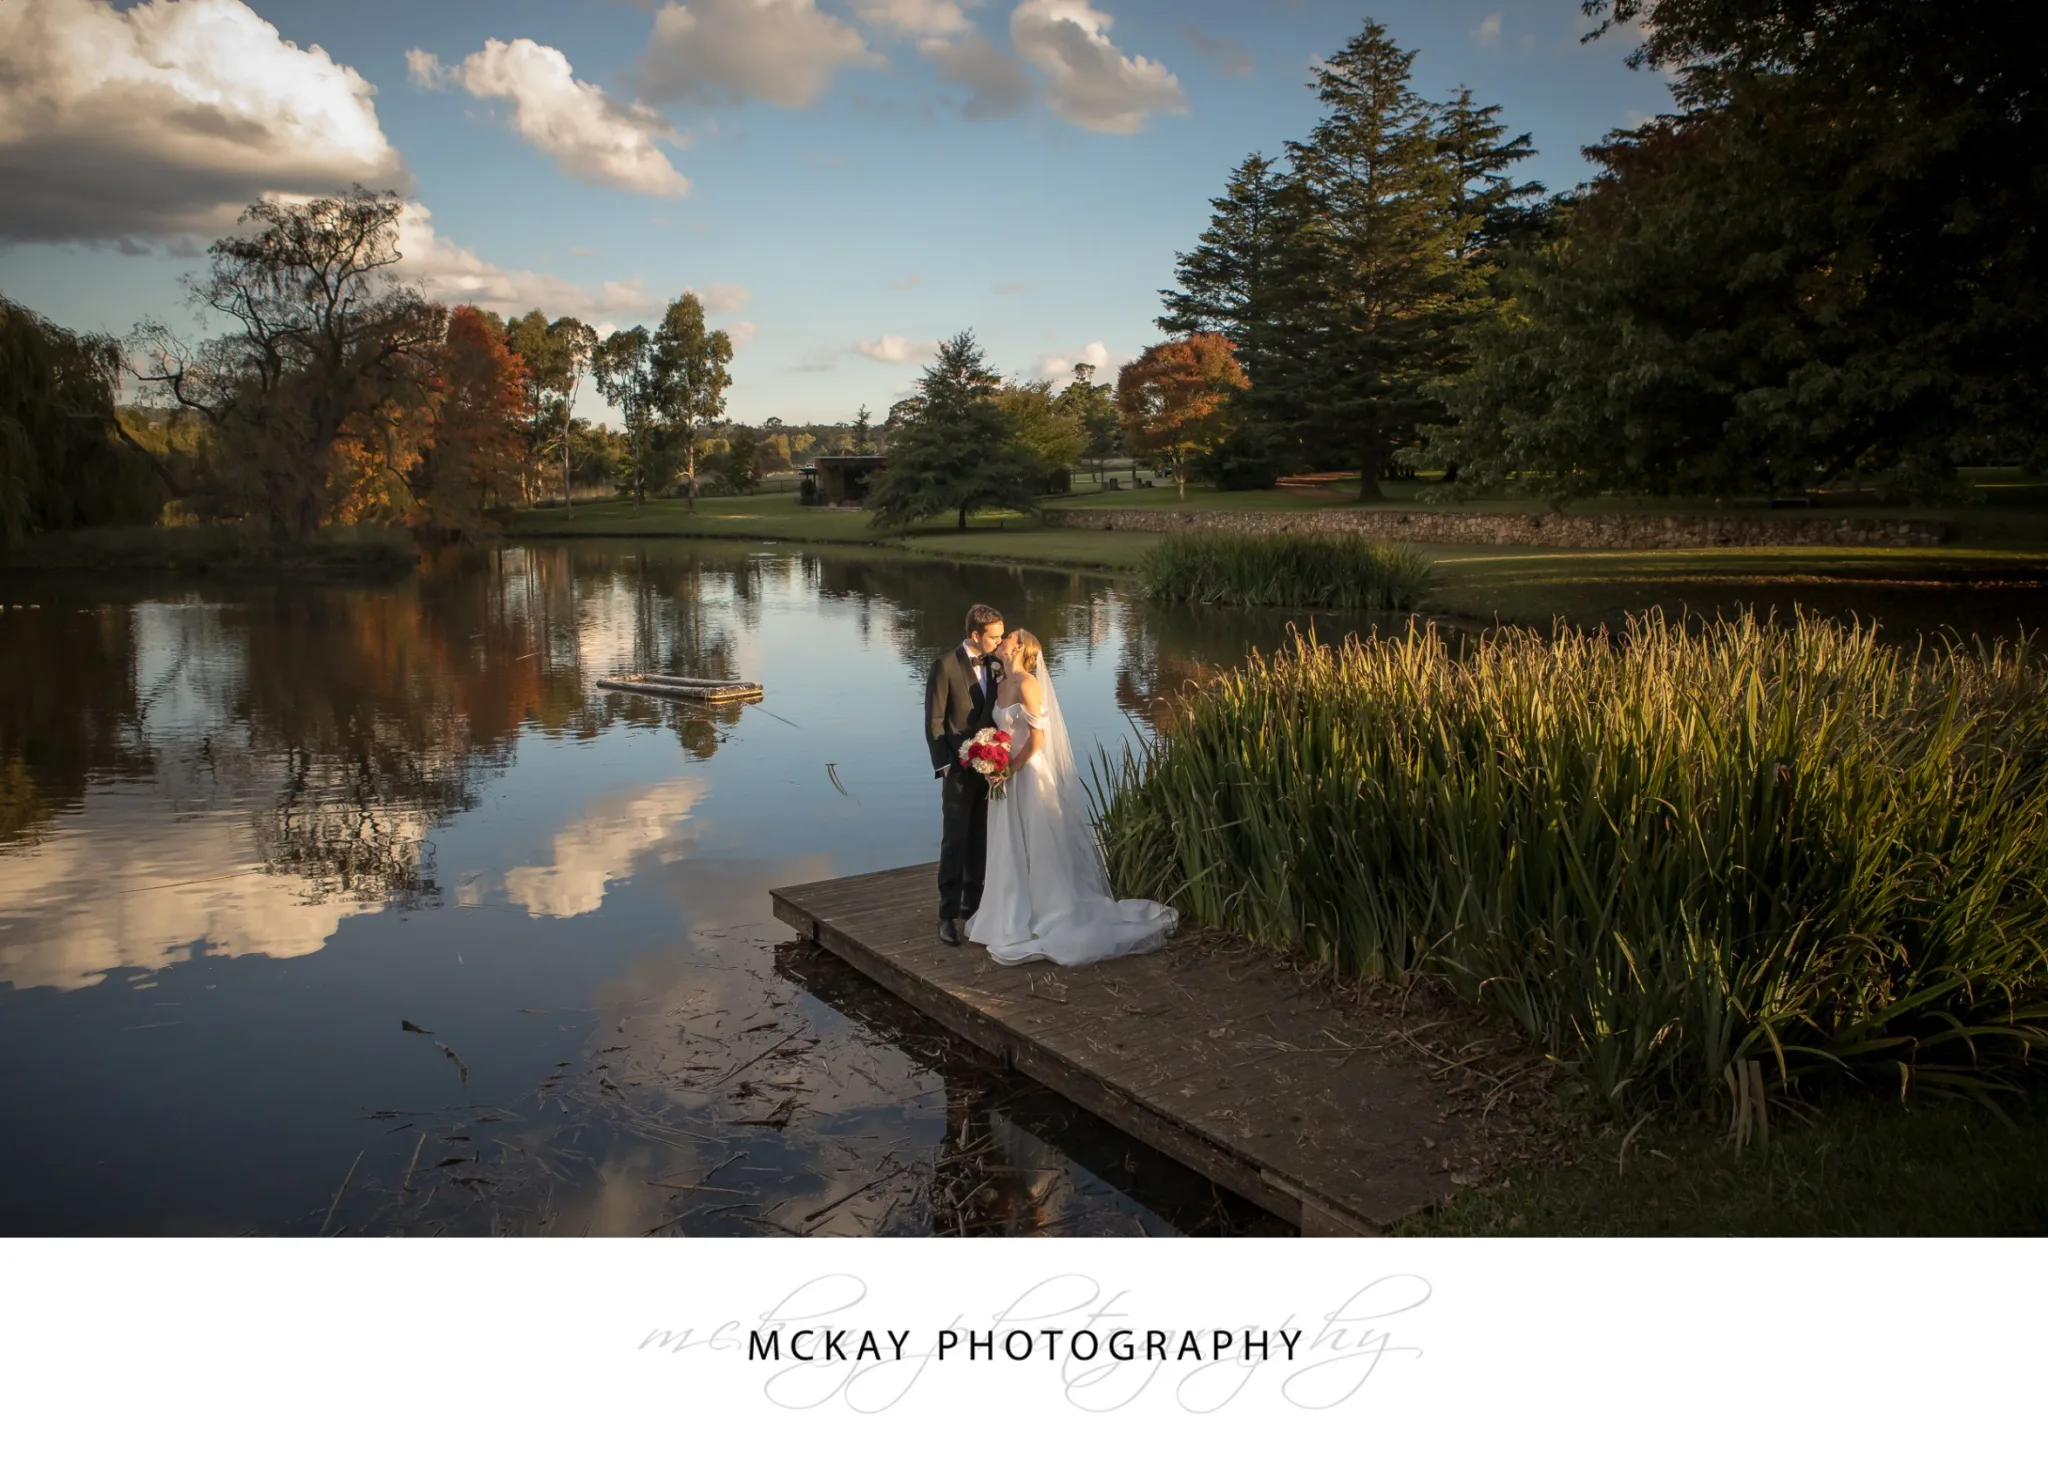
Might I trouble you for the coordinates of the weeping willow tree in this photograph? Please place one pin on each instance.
(324, 339)
(65, 460)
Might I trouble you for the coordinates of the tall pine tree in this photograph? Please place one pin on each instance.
(1376, 291)
(1226, 282)
(1348, 279)
(953, 448)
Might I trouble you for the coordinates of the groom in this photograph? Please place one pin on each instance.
(960, 699)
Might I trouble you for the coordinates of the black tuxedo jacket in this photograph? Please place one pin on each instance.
(954, 707)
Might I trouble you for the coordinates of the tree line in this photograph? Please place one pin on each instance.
(337, 393)
(1822, 266)
(966, 439)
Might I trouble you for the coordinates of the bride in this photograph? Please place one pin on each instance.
(1046, 895)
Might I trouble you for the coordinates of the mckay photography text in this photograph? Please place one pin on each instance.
(825, 1341)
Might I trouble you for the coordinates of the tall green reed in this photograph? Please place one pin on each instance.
(1661, 854)
(1287, 570)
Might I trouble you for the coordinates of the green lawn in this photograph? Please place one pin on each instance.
(2010, 511)
(1005, 537)
(1921, 587)
(1972, 583)
(1862, 1168)
(1199, 499)
(1115, 553)
(760, 516)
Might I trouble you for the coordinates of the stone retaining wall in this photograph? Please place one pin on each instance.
(1541, 529)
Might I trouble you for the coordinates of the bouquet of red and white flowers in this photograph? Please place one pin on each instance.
(989, 754)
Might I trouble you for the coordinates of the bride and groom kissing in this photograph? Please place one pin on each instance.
(1024, 869)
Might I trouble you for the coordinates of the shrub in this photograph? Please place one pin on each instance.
(1288, 570)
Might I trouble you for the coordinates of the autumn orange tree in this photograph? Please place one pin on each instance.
(1172, 399)
(371, 470)
(477, 397)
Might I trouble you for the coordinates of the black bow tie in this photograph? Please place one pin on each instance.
(991, 660)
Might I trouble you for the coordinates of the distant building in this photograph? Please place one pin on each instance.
(834, 481)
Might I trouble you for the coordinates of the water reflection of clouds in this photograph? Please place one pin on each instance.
(702, 1043)
(120, 885)
(600, 847)
(707, 1039)
(256, 770)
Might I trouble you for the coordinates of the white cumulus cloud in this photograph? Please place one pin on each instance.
(447, 271)
(425, 69)
(897, 349)
(168, 118)
(1059, 369)
(1488, 33)
(587, 133)
(1088, 81)
(914, 17)
(722, 299)
(780, 51)
(995, 80)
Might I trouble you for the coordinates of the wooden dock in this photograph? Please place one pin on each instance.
(1205, 1050)
(683, 687)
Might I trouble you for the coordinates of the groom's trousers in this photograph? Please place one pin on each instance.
(963, 842)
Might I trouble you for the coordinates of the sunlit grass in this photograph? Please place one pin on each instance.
(1289, 570)
(1109, 552)
(1664, 856)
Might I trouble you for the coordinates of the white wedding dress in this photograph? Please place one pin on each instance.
(1045, 894)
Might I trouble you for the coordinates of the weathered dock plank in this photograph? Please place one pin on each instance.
(681, 687)
(1216, 1056)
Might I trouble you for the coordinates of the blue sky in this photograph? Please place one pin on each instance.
(844, 180)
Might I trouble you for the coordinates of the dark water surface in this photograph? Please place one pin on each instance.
(249, 834)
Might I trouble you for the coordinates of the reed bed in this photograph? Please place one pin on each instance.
(1286, 570)
(1670, 856)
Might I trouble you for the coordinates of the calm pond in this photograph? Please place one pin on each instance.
(363, 910)
(250, 837)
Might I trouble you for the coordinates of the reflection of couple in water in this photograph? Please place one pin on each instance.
(1026, 873)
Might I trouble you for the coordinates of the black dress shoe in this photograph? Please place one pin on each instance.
(949, 932)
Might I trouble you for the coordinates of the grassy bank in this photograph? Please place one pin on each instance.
(1297, 571)
(1991, 512)
(1781, 853)
(374, 553)
(996, 537)
(1865, 1168)
(762, 515)
(1998, 589)
(1992, 587)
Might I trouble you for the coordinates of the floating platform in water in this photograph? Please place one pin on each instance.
(1205, 1050)
(683, 687)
